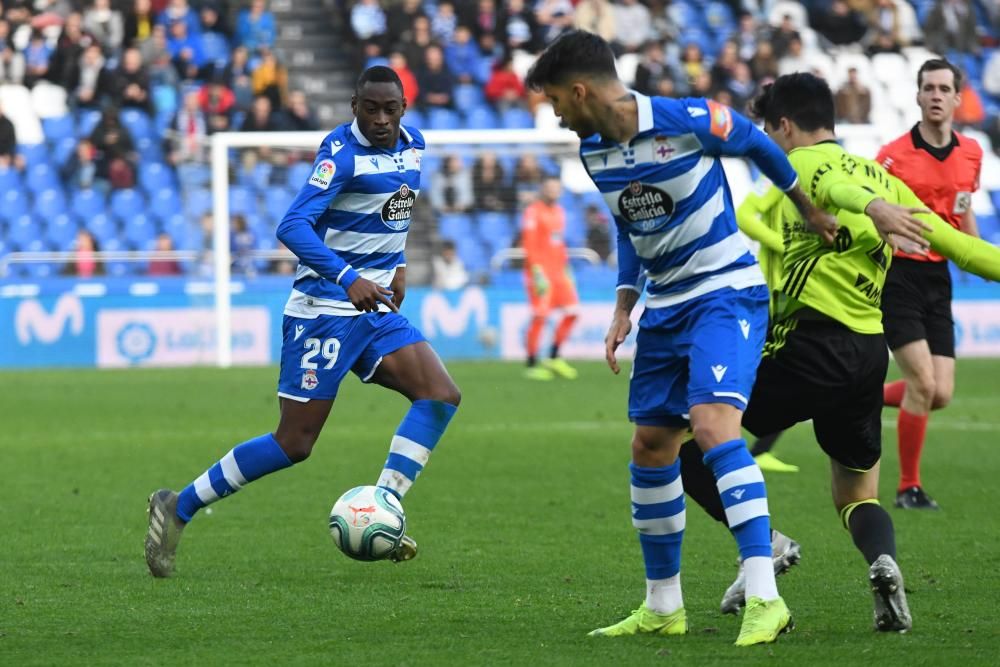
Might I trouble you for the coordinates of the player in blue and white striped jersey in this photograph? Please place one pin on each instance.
(348, 227)
(656, 162)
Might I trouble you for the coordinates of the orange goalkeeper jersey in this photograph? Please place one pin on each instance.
(543, 230)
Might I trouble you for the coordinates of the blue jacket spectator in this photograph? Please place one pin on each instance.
(368, 20)
(463, 55)
(178, 11)
(255, 27)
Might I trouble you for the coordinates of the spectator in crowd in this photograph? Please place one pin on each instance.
(598, 17)
(598, 232)
(742, 86)
(702, 85)
(764, 64)
(115, 150)
(261, 117)
(298, 116)
(970, 111)
(662, 26)
(692, 62)
(632, 23)
(189, 132)
(782, 36)
(139, 22)
(36, 59)
(420, 40)
(794, 59)
(84, 263)
(129, 85)
(724, 67)
(462, 55)
(449, 270)
(8, 143)
(505, 88)
(840, 24)
(437, 85)
(853, 100)
(951, 26)
(179, 11)
(489, 185)
(368, 22)
(884, 17)
(747, 36)
(91, 80)
(554, 18)
(443, 22)
(237, 76)
(485, 21)
(399, 65)
(213, 23)
(883, 43)
(185, 50)
(80, 170)
(520, 27)
(270, 79)
(451, 188)
(256, 27)
(400, 20)
(528, 177)
(105, 24)
(652, 69)
(156, 46)
(164, 267)
(242, 243)
(217, 103)
(11, 60)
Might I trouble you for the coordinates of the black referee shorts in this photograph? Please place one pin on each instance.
(823, 371)
(916, 305)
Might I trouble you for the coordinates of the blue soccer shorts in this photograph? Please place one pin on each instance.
(317, 353)
(705, 350)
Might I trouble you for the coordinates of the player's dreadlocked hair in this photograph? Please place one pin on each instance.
(805, 99)
(574, 53)
(935, 64)
(377, 74)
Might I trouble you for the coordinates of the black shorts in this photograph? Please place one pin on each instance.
(823, 371)
(916, 305)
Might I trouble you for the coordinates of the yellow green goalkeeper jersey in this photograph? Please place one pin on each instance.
(844, 281)
(759, 217)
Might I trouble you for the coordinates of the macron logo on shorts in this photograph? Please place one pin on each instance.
(745, 328)
(719, 371)
(299, 328)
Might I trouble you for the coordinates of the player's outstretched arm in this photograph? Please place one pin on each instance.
(748, 218)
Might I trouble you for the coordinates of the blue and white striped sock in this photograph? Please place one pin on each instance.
(744, 497)
(658, 514)
(411, 447)
(243, 464)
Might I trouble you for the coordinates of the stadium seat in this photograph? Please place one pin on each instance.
(63, 150)
(137, 123)
(517, 119)
(117, 269)
(41, 176)
(800, 17)
(496, 228)
(164, 202)
(414, 118)
(442, 119)
(298, 174)
(126, 203)
(87, 203)
(49, 203)
(34, 153)
(60, 231)
(685, 14)
(481, 118)
(139, 230)
(150, 149)
(101, 226)
(197, 203)
(59, 128)
(626, 64)
(473, 254)
(468, 96)
(22, 230)
(48, 101)
(455, 226)
(242, 201)
(165, 102)
(215, 49)
(193, 175)
(276, 203)
(890, 67)
(86, 121)
(37, 270)
(10, 178)
(989, 228)
(154, 176)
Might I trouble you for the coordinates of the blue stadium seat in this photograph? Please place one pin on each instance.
(597, 277)
(37, 270)
(473, 254)
(197, 203)
(117, 269)
(60, 231)
(164, 202)
(455, 226)
(150, 149)
(22, 230)
(14, 203)
(34, 154)
(10, 179)
(468, 96)
(242, 200)
(496, 229)
(139, 230)
(126, 203)
(517, 119)
(41, 176)
(49, 203)
(137, 123)
(59, 128)
(165, 102)
(414, 118)
(989, 228)
(719, 18)
(193, 175)
(442, 119)
(154, 176)
(215, 49)
(481, 118)
(484, 69)
(63, 150)
(87, 203)
(298, 174)
(276, 203)
(86, 121)
(102, 227)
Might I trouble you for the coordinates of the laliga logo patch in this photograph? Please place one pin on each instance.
(309, 380)
(396, 211)
(322, 175)
(646, 207)
(361, 516)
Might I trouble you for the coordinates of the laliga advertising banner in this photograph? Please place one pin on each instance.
(170, 322)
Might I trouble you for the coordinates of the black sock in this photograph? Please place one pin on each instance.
(699, 482)
(554, 352)
(531, 360)
(871, 528)
(765, 444)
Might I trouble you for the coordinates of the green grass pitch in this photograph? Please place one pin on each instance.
(522, 517)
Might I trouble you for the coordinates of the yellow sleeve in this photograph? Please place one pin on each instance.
(827, 184)
(748, 217)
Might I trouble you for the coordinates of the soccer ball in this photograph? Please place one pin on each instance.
(367, 523)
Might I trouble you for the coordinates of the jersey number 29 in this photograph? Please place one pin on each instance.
(329, 348)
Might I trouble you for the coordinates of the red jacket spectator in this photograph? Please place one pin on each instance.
(397, 61)
(504, 84)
